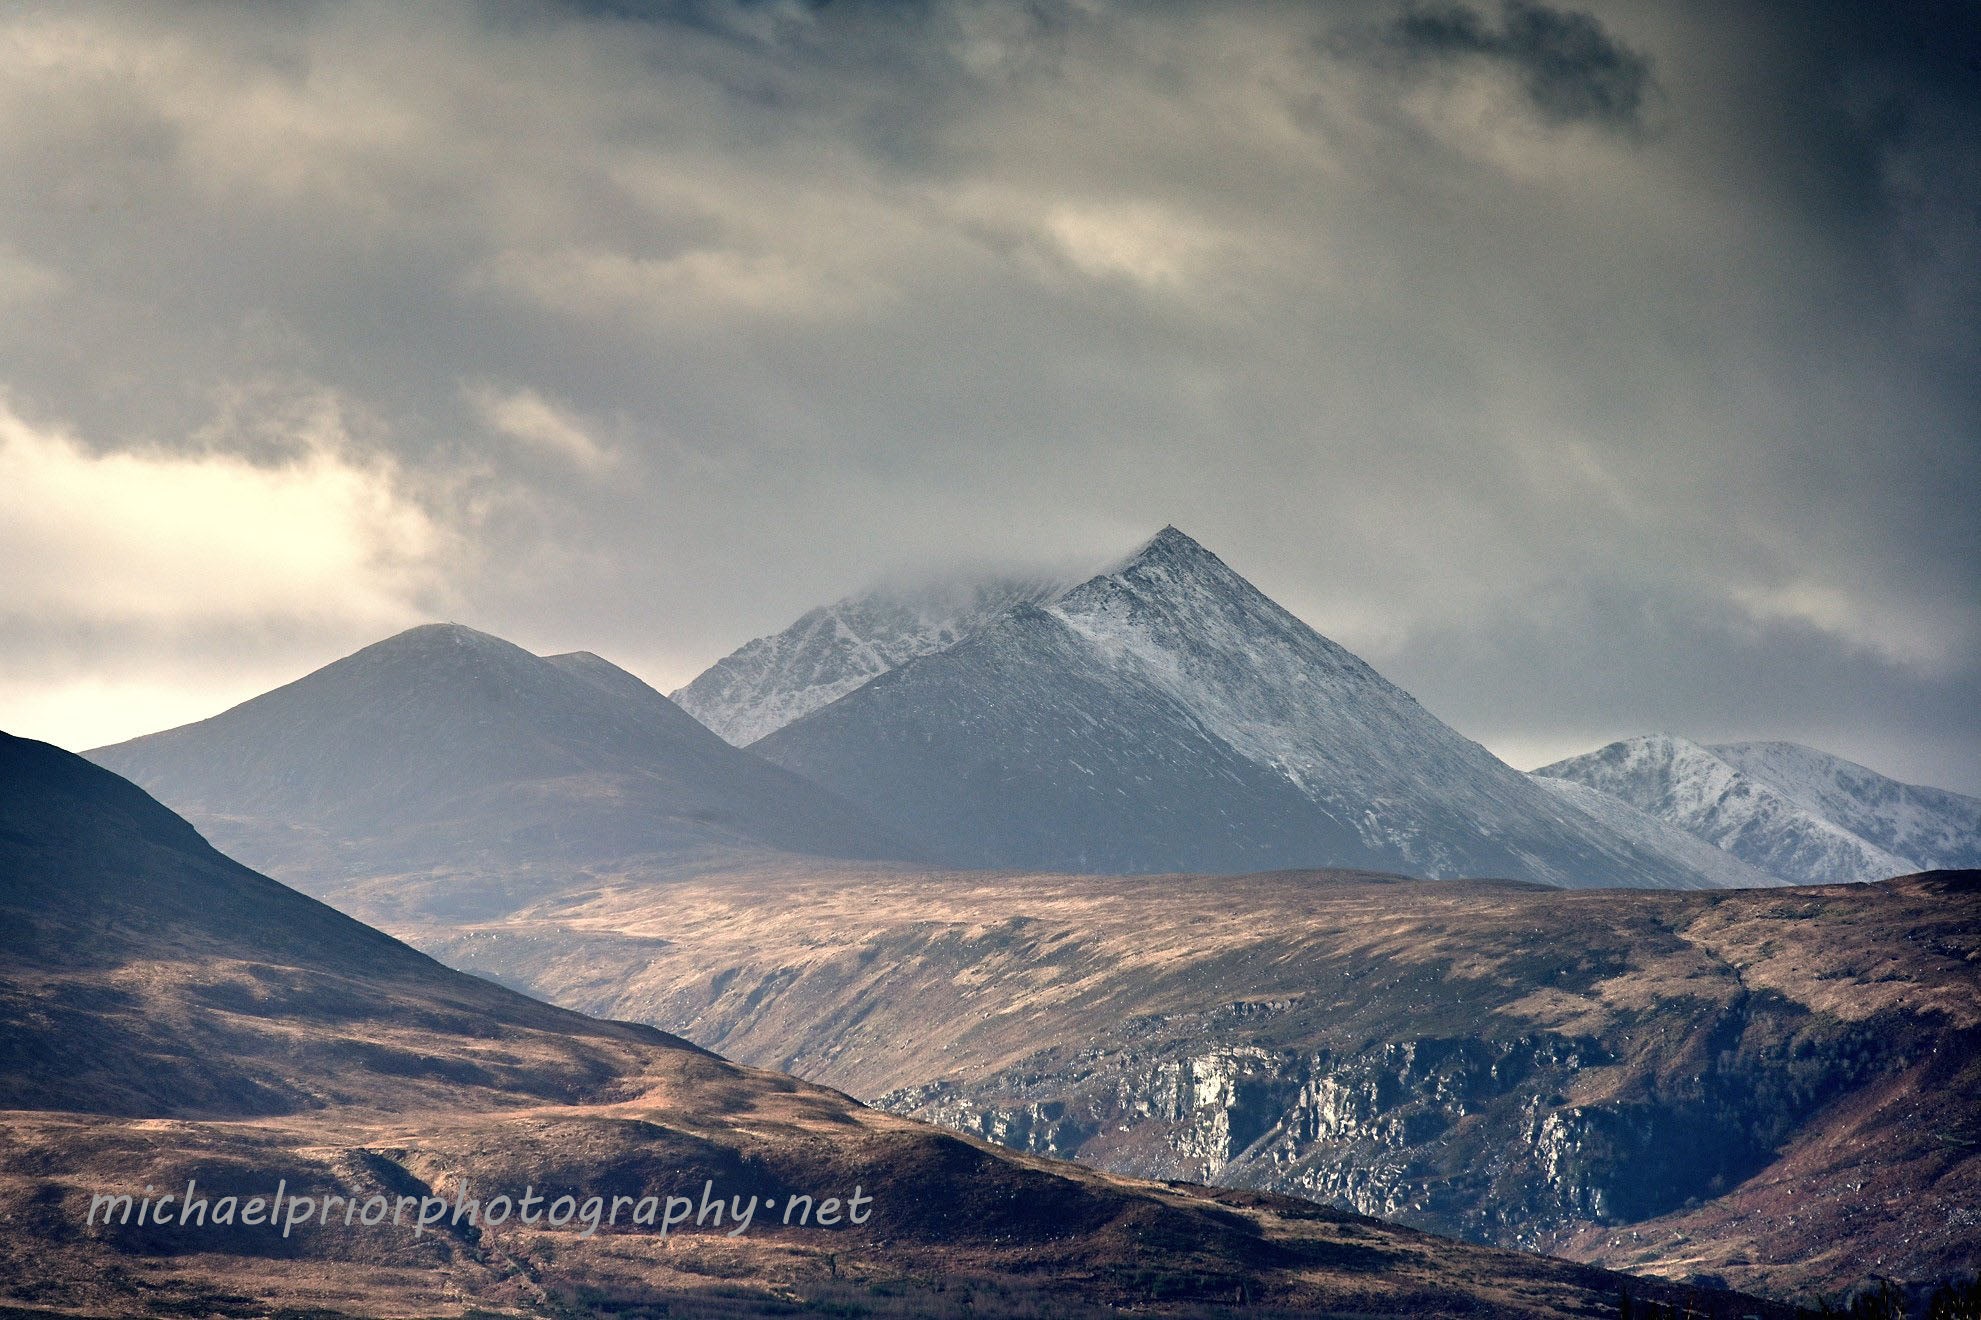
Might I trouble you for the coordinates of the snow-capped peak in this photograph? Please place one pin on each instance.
(1253, 673)
(1166, 710)
(1798, 813)
(1930, 826)
(831, 650)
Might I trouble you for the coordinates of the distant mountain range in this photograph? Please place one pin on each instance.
(1165, 715)
(1160, 716)
(1801, 815)
(445, 750)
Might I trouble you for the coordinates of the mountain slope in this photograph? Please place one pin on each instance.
(169, 1017)
(1788, 810)
(1721, 868)
(766, 684)
(1166, 715)
(1931, 827)
(447, 749)
(111, 907)
(1776, 1085)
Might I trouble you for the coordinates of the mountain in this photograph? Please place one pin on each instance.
(1772, 1085)
(1720, 868)
(147, 974)
(171, 1020)
(1933, 828)
(831, 650)
(1800, 814)
(443, 749)
(1164, 716)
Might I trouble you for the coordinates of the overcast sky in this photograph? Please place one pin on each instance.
(1590, 370)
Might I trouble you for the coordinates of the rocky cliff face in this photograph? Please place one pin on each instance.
(1493, 1139)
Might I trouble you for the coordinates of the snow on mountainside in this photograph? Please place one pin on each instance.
(774, 680)
(1721, 867)
(1166, 715)
(1787, 810)
(1938, 829)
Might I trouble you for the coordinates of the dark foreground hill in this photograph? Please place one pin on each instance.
(473, 769)
(167, 1016)
(1777, 1086)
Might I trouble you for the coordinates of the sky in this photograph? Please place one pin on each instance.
(1591, 370)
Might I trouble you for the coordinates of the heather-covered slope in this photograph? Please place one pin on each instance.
(147, 974)
(1777, 1084)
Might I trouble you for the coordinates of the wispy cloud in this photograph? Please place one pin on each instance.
(550, 429)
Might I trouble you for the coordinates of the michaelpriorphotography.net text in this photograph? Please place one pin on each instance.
(284, 1210)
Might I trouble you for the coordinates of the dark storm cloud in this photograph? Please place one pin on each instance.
(1590, 369)
(1568, 64)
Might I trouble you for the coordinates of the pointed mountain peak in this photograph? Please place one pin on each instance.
(1171, 567)
(1168, 561)
(1171, 534)
(1167, 714)
(1171, 544)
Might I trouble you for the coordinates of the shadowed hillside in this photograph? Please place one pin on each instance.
(446, 755)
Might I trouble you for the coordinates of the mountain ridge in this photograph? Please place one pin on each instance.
(1203, 727)
(1777, 805)
(1898, 817)
(441, 748)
